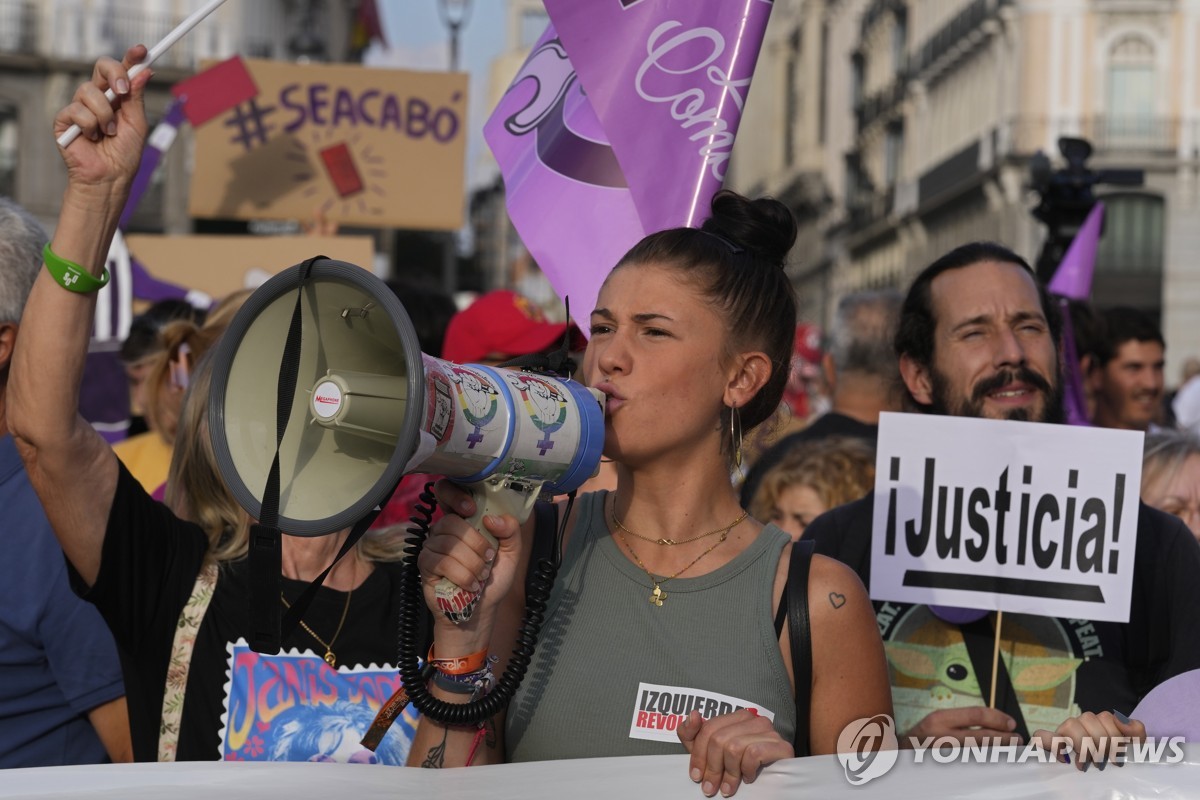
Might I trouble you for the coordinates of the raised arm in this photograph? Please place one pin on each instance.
(457, 551)
(71, 467)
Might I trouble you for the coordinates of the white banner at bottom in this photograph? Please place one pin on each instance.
(660, 777)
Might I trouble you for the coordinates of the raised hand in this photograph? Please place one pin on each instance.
(109, 149)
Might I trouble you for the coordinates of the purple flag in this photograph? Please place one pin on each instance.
(628, 134)
(1073, 278)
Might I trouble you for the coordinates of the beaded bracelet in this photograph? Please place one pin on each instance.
(470, 677)
(70, 275)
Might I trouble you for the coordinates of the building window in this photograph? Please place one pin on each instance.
(822, 111)
(1133, 234)
(858, 77)
(792, 102)
(900, 41)
(1130, 119)
(893, 153)
(1129, 260)
(8, 149)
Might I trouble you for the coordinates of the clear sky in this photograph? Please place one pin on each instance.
(417, 39)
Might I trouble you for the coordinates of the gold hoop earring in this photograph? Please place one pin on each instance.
(735, 436)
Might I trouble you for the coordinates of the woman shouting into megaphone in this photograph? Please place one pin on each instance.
(663, 633)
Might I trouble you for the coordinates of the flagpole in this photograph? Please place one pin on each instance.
(72, 133)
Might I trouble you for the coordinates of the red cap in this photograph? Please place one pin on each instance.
(500, 324)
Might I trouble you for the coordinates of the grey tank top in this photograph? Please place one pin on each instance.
(613, 675)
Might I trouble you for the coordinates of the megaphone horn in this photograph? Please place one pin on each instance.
(368, 407)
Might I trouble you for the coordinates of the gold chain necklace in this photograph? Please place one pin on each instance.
(330, 657)
(657, 596)
(670, 542)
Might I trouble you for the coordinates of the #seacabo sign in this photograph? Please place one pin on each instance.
(1002, 515)
(660, 710)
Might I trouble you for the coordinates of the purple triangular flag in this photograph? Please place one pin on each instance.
(619, 124)
(1074, 276)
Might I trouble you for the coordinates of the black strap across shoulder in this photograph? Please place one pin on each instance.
(545, 530)
(793, 606)
(979, 637)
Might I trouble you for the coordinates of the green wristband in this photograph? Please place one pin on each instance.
(70, 275)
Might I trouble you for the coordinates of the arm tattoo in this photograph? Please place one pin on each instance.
(837, 600)
(436, 759)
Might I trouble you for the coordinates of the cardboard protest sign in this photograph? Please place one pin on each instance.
(218, 265)
(1012, 516)
(366, 146)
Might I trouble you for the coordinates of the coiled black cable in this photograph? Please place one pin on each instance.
(412, 606)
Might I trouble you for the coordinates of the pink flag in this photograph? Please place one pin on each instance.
(1073, 278)
(621, 123)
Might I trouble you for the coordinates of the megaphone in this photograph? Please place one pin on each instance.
(357, 405)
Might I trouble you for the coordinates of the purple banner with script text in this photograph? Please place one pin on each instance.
(668, 80)
(621, 123)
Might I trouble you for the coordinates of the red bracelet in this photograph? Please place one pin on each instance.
(459, 665)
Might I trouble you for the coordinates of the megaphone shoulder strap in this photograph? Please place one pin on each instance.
(793, 606)
(545, 530)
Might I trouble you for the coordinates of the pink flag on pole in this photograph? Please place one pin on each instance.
(621, 123)
(1073, 278)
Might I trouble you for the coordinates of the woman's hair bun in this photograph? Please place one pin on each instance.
(764, 226)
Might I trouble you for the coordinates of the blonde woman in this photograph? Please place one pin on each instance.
(813, 478)
(1171, 475)
(172, 582)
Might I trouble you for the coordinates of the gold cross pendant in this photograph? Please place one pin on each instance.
(657, 596)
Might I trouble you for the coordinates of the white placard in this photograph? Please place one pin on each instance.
(1012, 516)
(660, 710)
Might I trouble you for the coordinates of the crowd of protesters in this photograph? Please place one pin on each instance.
(692, 343)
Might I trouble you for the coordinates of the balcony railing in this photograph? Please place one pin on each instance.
(960, 28)
(32, 28)
(1126, 134)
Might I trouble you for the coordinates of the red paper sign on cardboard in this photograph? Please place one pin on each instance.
(214, 91)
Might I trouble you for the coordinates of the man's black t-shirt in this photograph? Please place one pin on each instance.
(239, 704)
(1057, 667)
(824, 426)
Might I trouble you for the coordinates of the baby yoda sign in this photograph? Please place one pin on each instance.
(1002, 515)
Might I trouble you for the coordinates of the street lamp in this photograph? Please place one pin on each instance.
(306, 44)
(454, 15)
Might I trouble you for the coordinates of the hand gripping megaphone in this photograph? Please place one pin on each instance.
(321, 400)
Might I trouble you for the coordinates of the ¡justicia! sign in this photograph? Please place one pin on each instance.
(1013, 516)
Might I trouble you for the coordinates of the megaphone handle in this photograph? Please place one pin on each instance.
(455, 602)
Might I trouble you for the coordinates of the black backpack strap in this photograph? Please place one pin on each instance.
(979, 637)
(545, 532)
(794, 604)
